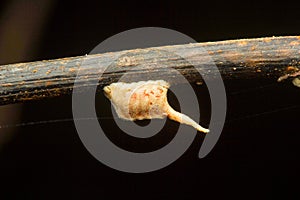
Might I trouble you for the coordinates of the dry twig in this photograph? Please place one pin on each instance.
(267, 58)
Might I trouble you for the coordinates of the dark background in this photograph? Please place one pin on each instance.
(256, 156)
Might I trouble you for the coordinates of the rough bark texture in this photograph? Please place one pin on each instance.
(266, 58)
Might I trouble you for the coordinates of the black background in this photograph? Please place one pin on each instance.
(256, 156)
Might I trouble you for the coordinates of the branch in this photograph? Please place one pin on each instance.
(264, 58)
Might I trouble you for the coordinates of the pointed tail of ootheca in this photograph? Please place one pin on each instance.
(182, 118)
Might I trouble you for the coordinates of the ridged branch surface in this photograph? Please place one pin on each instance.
(265, 58)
